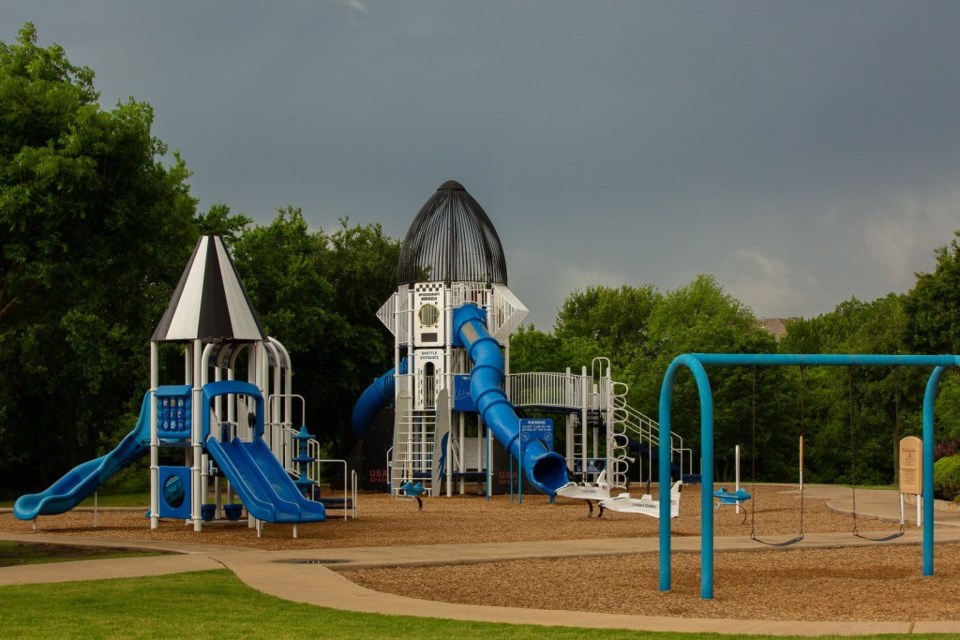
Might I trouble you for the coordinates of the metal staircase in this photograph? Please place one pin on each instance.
(601, 403)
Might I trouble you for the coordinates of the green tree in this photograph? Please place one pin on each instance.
(856, 415)
(933, 327)
(534, 350)
(318, 294)
(218, 221)
(616, 320)
(94, 231)
(932, 306)
(702, 317)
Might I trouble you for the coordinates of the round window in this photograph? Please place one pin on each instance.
(174, 492)
(429, 315)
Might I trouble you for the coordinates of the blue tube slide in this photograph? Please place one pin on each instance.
(545, 469)
(81, 481)
(373, 399)
(266, 490)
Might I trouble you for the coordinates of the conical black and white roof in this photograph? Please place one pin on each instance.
(210, 302)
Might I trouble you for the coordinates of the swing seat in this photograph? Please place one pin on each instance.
(725, 497)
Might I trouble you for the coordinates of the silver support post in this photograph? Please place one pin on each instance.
(584, 393)
(449, 458)
(489, 464)
(196, 435)
(461, 447)
(737, 471)
(154, 439)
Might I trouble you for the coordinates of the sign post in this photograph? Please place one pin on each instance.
(911, 472)
(532, 429)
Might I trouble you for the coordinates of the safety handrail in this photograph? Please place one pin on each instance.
(346, 487)
(539, 389)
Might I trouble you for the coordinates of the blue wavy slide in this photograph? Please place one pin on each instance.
(266, 490)
(545, 469)
(81, 481)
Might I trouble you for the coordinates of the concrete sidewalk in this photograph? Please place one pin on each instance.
(312, 576)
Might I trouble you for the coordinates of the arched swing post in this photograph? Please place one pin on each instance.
(929, 401)
(697, 363)
(691, 362)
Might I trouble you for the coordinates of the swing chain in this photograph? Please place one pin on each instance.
(853, 467)
(753, 463)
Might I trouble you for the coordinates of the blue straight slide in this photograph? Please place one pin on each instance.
(81, 481)
(261, 482)
(545, 469)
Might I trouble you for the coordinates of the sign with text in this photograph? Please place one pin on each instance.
(911, 466)
(532, 429)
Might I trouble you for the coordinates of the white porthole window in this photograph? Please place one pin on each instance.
(429, 315)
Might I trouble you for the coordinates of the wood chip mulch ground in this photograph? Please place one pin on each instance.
(874, 583)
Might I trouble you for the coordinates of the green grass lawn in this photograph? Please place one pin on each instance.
(18, 553)
(111, 499)
(126, 499)
(216, 604)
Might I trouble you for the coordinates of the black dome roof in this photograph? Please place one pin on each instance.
(452, 240)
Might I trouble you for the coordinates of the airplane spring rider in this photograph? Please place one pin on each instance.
(599, 492)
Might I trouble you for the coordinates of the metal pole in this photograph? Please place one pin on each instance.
(706, 469)
(801, 464)
(583, 421)
(489, 465)
(929, 401)
(737, 486)
(154, 438)
(197, 435)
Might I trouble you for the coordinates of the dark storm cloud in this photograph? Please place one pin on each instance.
(803, 153)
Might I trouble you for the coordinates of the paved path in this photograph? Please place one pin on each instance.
(308, 575)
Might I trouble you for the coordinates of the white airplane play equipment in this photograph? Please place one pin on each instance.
(599, 492)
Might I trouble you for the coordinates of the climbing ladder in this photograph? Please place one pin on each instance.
(630, 429)
(413, 443)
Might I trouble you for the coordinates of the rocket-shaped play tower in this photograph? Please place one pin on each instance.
(452, 317)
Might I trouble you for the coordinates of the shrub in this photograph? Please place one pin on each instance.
(945, 449)
(946, 478)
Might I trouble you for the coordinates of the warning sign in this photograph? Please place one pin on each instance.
(911, 465)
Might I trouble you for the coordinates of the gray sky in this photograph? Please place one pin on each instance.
(802, 152)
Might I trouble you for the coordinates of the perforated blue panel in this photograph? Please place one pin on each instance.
(174, 411)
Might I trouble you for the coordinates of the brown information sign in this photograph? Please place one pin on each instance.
(911, 465)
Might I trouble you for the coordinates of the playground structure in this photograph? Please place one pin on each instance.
(240, 430)
(451, 352)
(451, 370)
(451, 317)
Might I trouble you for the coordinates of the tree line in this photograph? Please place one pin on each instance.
(851, 419)
(97, 222)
